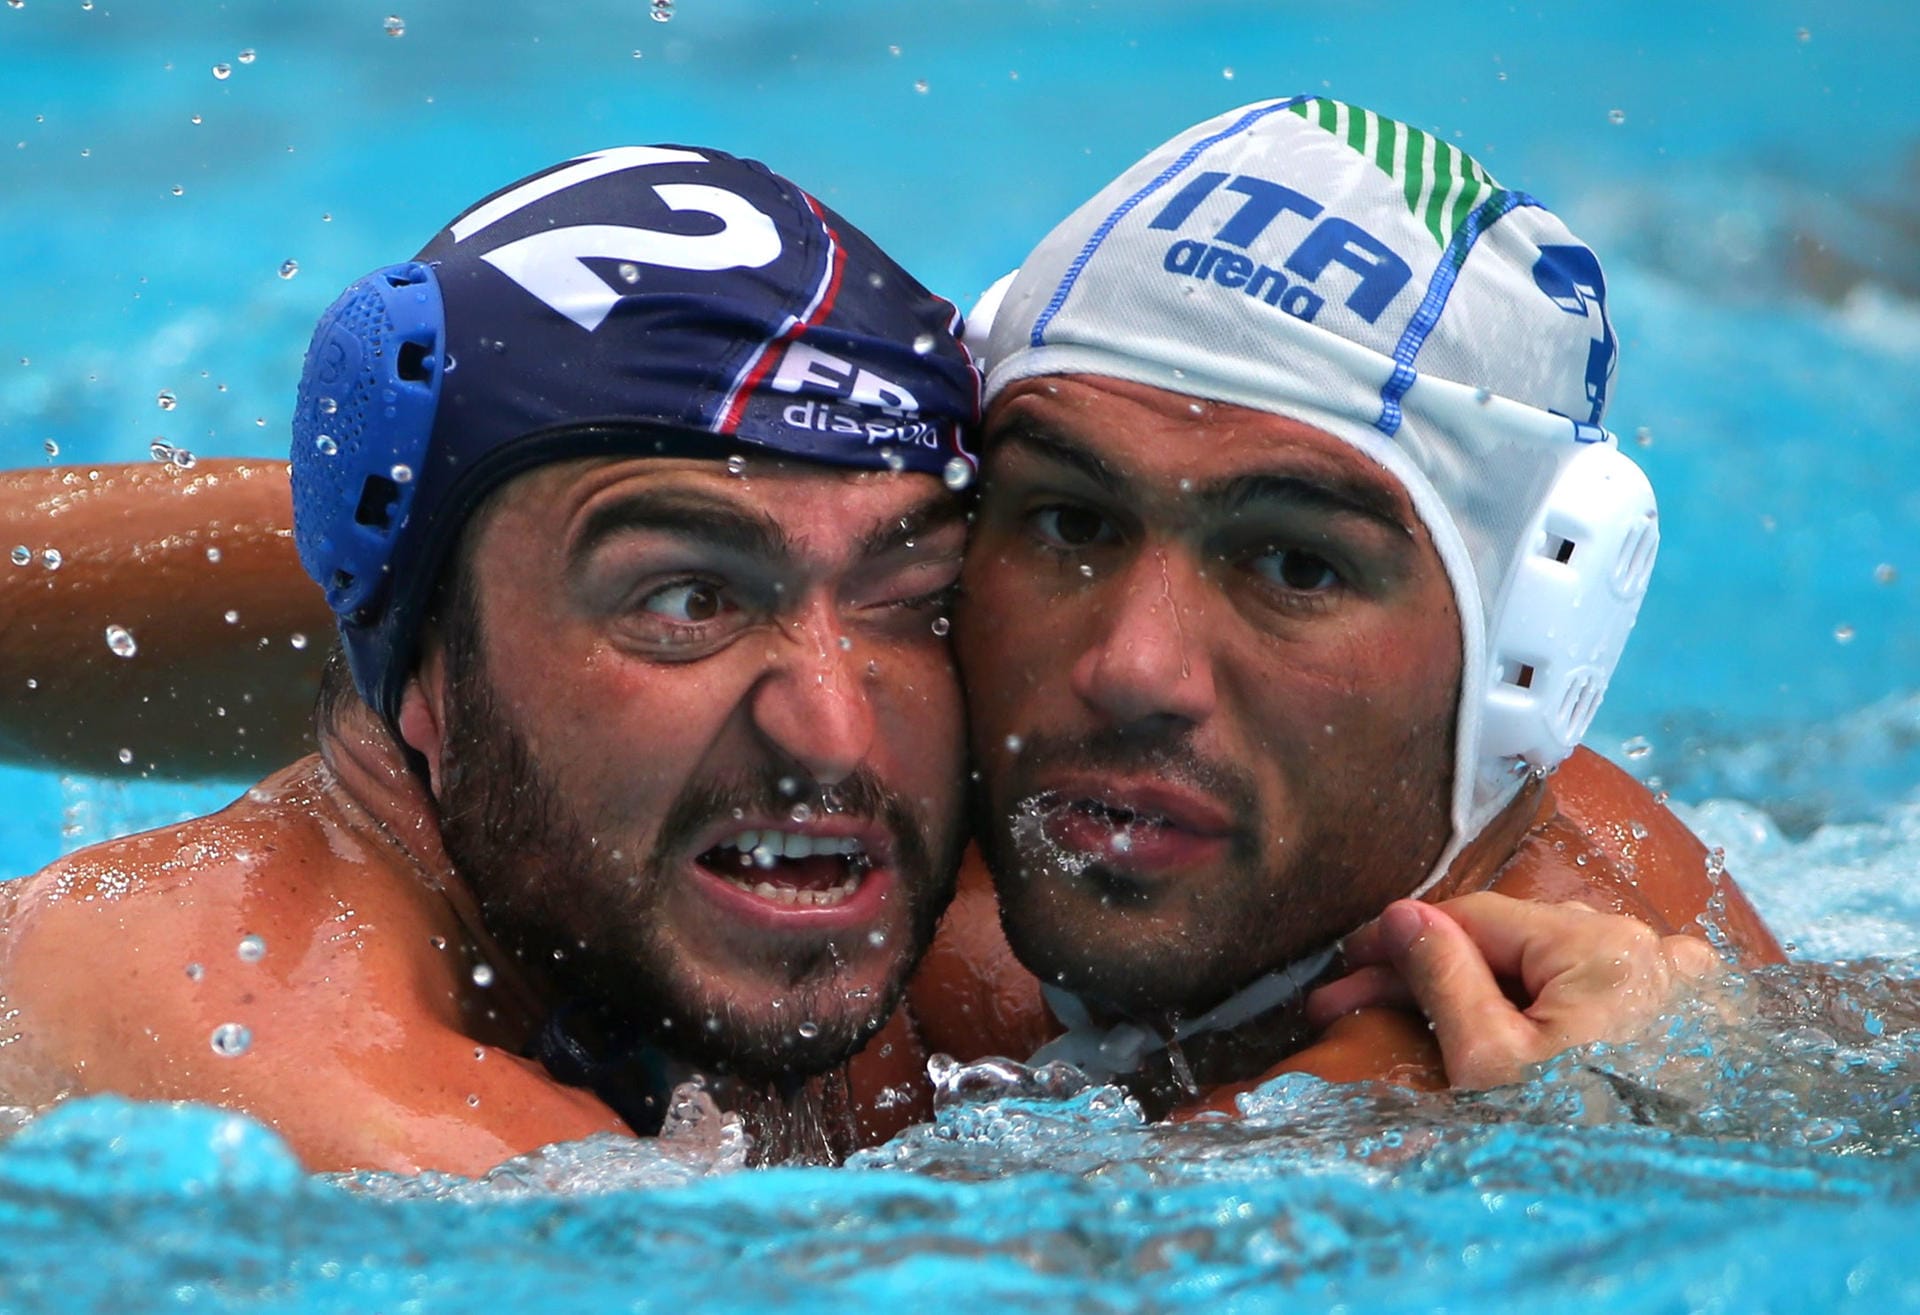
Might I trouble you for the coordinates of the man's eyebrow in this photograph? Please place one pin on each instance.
(688, 515)
(1330, 492)
(937, 511)
(1055, 447)
(1323, 492)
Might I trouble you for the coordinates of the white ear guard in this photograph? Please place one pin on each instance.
(1557, 629)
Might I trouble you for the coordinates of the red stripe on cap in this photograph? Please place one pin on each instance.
(822, 306)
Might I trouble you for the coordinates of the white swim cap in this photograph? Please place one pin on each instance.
(1319, 261)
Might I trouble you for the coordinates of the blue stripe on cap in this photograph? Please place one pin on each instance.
(1038, 337)
(1427, 314)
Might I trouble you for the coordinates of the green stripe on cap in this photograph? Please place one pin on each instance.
(1442, 184)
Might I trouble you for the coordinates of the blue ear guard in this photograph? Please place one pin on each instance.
(362, 429)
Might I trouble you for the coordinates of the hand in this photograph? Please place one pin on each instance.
(1581, 976)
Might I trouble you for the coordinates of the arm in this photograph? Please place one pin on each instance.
(165, 554)
(1475, 992)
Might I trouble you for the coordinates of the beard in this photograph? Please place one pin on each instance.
(1180, 948)
(588, 919)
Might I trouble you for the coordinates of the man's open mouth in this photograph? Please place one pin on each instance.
(789, 867)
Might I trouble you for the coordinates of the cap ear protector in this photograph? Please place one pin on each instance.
(362, 425)
(1558, 627)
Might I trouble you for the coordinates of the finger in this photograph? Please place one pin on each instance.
(1374, 985)
(1483, 1039)
(1530, 941)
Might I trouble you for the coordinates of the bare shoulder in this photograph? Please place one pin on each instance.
(971, 997)
(1603, 838)
(274, 958)
(130, 961)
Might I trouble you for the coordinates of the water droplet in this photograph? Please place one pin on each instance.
(231, 1040)
(1483, 395)
(1843, 633)
(195, 120)
(160, 450)
(21, 555)
(473, 1101)
(125, 756)
(920, 85)
(628, 271)
(120, 642)
(182, 459)
(248, 55)
(894, 51)
(1643, 436)
(52, 448)
(179, 190)
(288, 268)
(213, 554)
(1616, 117)
(736, 465)
(222, 72)
(483, 974)
(922, 343)
(941, 625)
(325, 445)
(1227, 73)
(231, 617)
(1638, 830)
(297, 639)
(1885, 573)
(1015, 744)
(876, 938)
(195, 972)
(788, 787)
(165, 399)
(894, 461)
(957, 474)
(402, 474)
(661, 11)
(252, 949)
(16, 4)
(51, 558)
(800, 813)
(639, 55)
(1802, 35)
(808, 1029)
(395, 25)
(326, 406)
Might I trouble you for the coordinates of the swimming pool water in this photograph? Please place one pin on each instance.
(1758, 206)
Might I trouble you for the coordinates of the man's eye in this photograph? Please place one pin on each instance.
(1068, 526)
(688, 602)
(1294, 569)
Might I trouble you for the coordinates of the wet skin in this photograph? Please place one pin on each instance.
(1213, 662)
(634, 662)
(691, 659)
(373, 1046)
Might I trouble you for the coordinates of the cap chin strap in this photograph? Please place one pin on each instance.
(1105, 1053)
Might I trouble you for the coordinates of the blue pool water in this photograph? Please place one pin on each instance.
(1758, 203)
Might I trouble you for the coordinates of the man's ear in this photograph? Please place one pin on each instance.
(422, 721)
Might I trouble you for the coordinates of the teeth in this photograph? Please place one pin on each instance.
(792, 898)
(766, 846)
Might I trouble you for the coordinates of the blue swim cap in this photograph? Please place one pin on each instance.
(640, 300)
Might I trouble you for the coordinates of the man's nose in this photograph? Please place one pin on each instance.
(812, 705)
(1147, 656)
